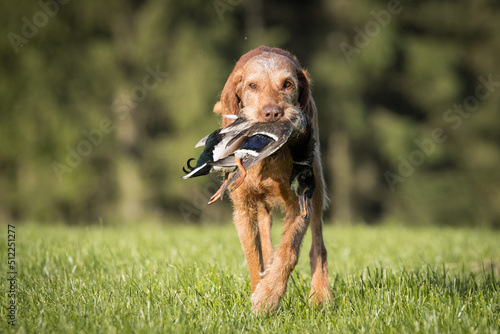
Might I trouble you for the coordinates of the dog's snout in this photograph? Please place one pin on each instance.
(271, 113)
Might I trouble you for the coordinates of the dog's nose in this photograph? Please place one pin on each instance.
(272, 113)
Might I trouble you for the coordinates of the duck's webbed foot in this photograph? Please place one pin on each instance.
(219, 192)
(243, 173)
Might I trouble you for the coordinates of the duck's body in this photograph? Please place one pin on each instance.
(258, 142)
(239, 146)
(218, 145)
(261, 140)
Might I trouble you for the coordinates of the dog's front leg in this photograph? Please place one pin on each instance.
(245, 219)
(265, 223)
(266, 297)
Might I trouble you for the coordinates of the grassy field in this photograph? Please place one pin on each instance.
(187, 279)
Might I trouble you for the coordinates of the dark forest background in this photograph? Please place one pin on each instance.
(102, 103)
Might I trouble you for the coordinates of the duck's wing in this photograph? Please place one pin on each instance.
(231, 131)
(218, 144)
(258, 147)
(240, 124)
(204, 163)
(216, 148)
(253, 146)
(258, 142)
(262, 140)
(202, 141)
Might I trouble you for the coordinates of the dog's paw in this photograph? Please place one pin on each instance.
(264, 301)
(322, 300)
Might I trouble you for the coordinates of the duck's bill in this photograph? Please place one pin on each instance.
(304, 209)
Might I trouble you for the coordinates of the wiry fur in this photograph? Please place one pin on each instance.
(267, 184)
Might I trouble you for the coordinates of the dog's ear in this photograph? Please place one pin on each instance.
(230, 97)
(218, 108)
(305, 92)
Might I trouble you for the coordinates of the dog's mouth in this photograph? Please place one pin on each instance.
(277, 114)
(297, 118)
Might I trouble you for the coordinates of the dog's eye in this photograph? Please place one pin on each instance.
(287, 84)
(252, 86)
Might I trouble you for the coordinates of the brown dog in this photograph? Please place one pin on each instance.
(265, 85)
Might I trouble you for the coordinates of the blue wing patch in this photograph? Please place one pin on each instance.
(256, 142)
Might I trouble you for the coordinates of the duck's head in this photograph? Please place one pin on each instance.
(303, 183)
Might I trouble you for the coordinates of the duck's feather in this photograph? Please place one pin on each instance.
(218, 144)
(248, 142)
(202, 141)
(262, 140)
(207, 168)
(233, 129)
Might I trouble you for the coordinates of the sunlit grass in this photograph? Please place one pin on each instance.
(188, 279)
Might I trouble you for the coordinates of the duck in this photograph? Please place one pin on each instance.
(303, 184)
(258, 142)
(218, 144)
(242, 149)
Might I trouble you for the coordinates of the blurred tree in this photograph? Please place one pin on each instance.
(103, 102)
(411, 63)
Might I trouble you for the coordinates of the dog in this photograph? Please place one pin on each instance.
(265, 85)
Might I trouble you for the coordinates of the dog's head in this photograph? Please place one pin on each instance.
(267, 84)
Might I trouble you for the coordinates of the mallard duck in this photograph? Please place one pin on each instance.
(240, 149)
(259, 141)
(303, 183)
(219, 144)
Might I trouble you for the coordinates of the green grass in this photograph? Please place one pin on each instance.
(187, 279)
